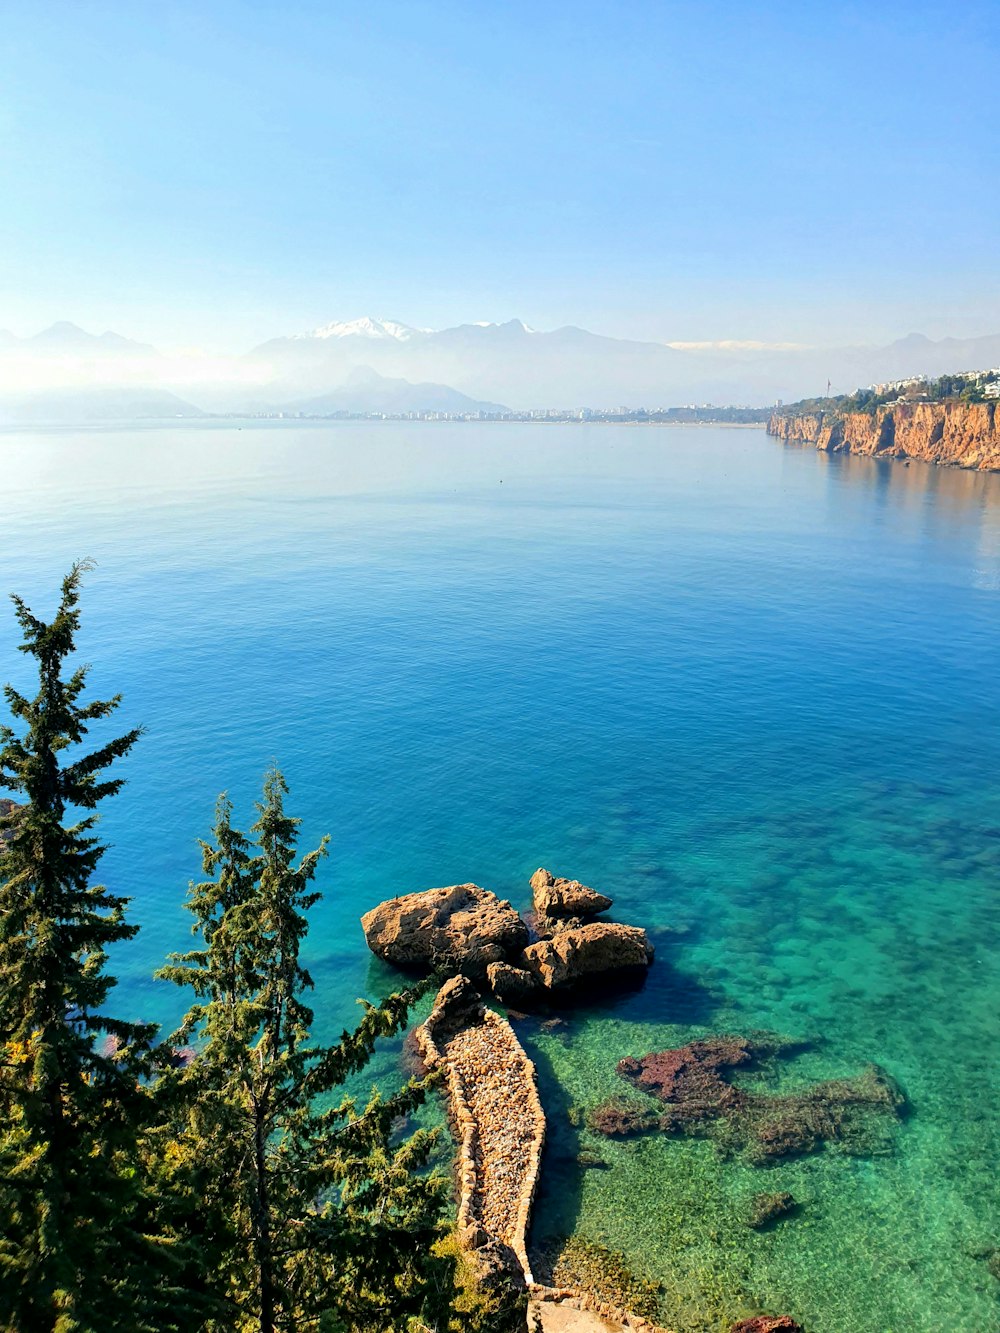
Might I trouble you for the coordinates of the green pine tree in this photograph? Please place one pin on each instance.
(74, 1254)
(314, 1214)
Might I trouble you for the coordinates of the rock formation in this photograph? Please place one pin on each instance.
(460, 928)
(554, 897)
(953, 433)
(600, 950)
(464, 928)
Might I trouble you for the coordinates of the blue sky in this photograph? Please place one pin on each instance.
(214, 173)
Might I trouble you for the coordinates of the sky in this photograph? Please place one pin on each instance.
(216, 173)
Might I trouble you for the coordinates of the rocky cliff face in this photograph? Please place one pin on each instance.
(953, 434)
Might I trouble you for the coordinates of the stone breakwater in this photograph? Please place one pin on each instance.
(497, 1120)
(950, 434)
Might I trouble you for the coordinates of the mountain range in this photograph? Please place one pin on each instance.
(382, 365)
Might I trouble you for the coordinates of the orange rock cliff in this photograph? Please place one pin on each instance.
(952, 434)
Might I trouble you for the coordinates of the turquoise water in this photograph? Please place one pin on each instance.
(748, 690)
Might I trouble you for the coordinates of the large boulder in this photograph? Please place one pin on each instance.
(601, 951)
(555, 897)
(461, 927)
(514, 986)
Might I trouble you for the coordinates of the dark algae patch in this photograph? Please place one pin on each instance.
(697, 1097)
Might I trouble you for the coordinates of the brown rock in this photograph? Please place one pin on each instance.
(602, 950)
(513, 985)
(462, 927)
(458, 1005)
(565, 897)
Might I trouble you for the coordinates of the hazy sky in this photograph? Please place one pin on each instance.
(221, 171)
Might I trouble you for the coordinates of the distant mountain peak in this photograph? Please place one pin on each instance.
(62, 328)
(366, 327)
(66, 336)
(505, 324)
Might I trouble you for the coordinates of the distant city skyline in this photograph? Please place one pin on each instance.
(677, 172)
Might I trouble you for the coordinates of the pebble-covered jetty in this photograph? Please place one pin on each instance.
(497, 1119)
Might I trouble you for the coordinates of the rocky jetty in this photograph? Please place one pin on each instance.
(950, 433)
(464, 928)
(460, 928)
(498, 1124)
(696, 1098)
(556, 1311)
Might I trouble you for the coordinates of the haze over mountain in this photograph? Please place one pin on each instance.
(383, 365)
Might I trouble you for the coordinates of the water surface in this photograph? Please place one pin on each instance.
(748, 690)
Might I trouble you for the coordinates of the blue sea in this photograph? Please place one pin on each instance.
(747, 689)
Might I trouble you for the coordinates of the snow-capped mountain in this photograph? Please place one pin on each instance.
(486, 362)
(366, 327)
(572, 367)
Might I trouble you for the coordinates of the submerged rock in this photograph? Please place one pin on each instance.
(767, 1323)
(617, 1118)
(765, 1208)
(556, 897)
(691, 1073)
(461, 927)
(696, 1099)
(601, 951)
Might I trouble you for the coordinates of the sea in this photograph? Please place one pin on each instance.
(747, 689)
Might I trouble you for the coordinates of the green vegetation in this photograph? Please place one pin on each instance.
(970, 387)
(211, 1181)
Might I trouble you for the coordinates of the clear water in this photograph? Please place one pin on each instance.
(748, 690)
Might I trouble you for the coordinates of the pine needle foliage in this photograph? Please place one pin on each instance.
(73, 1253)
(314, 1214)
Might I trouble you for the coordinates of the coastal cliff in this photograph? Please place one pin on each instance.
(954, 434)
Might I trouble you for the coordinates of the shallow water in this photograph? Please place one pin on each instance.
(747, 689)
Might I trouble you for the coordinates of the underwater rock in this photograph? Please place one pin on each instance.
(591, 1161)
(765, 1208)
(691, 1073)
(698, 1100)
(617, 1118)
(602, 951)
(555, 897)
(461, 927)
(766, 1323)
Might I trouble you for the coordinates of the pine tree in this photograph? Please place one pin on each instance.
(315, 1216)
(73, 1255)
